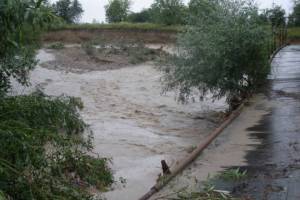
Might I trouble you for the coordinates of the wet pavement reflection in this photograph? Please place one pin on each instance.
(274, 167)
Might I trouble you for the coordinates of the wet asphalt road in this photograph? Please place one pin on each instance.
(274, 167)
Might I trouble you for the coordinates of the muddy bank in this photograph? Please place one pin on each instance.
(86, 57)
(110, 35)
(132, 122)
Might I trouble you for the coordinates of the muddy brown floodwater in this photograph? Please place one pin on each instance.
(132, 122)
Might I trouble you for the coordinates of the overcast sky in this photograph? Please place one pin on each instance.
(94, 9)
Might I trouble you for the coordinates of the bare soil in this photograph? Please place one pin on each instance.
(79, 36)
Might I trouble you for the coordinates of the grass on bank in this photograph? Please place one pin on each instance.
(119, 26)
(208, 189)
(294, 33)
(233, 175)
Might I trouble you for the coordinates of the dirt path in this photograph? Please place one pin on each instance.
(132, 122)
(264, 140)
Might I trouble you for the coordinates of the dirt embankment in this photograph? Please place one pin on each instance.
(294, 41)
(81, 35)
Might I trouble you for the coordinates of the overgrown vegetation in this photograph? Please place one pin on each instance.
(234, 175)
(294, 34)
(274, 16)
(140, 53)
(224, 51)
(89, 49)
(144, 16)
(56, 45)
(207, 189)
(132, 52)
(69, 11)
(169, 12)
(117, 10)
(294, 18)
(43, 154)
(207, 193)
(16, 19)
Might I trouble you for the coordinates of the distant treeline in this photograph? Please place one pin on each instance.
(175, 12)
(165, 12)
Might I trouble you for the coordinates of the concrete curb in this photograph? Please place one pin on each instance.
(186, 162)
(276, 52)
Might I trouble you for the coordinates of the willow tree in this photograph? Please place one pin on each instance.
(223, 51)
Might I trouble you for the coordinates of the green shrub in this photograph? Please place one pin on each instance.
(140, 53)
(234, 175)
(145, 16)
(68, 10)
(89, 48)
(169, 12)
(117, 10)
(42, 153)
(57, 46)
(20, 23)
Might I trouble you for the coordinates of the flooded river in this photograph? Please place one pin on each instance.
(133, 124)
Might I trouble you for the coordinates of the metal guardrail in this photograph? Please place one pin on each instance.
(279, 38)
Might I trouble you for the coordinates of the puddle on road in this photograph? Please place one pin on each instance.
(132, 122)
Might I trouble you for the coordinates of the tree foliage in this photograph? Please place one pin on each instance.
(274, 16)
(117, 10)
(42, 154)
(169, 12)
(69, 11)
(294, 18)
(200, 8)
(18, 21)
(224, 51)
(141, 17)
